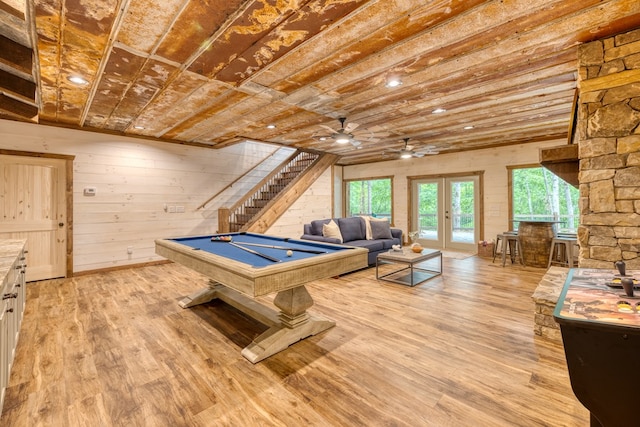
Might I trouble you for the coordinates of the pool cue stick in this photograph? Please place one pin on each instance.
(284, 248)
(270, 258)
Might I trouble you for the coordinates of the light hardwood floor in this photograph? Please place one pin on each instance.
(115, 349)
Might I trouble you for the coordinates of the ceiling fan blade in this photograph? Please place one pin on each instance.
(329, 128)
(355, 143)
(350, 127)
(418, 154)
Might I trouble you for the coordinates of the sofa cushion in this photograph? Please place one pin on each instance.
(352, 228)
(370, 245)
(316, 226)
(332, 230)
(388, 243)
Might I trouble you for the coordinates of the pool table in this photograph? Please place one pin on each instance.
(252, 265)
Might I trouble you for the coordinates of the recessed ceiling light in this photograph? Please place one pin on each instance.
(271, 126)
(438, 110)
(468, 127)
(138, 127)
(77, 80)
(393, 83)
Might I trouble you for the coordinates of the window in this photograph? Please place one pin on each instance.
(369, 197)
(538, 194)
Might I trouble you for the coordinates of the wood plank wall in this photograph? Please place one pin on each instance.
(493, 161)
(315, 203)
(134, 180)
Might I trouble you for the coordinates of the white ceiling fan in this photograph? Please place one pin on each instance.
(407, 151)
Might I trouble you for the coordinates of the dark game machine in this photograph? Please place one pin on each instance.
(599, 316)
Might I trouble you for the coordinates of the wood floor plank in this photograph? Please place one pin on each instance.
(114, 348)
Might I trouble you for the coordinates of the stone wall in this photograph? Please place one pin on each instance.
(609, 149)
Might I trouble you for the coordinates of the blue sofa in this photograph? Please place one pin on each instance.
(354, 233)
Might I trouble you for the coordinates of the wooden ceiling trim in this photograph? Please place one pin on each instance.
(17, 87)
(7, 8)
(16, 56)
(16, 109)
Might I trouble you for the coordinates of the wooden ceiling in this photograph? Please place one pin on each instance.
(217, 72)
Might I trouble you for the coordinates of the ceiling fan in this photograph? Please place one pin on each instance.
(407, 151)
(344, 135)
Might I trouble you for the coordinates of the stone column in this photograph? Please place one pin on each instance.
(609, 150)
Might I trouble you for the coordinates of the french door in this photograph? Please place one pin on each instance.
(445, 212)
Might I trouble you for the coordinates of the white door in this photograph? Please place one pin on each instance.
(446, 212)
(32, 192)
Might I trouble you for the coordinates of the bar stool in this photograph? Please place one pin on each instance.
(562, 251)
(507, 241)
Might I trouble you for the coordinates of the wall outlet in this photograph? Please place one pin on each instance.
(179, 209)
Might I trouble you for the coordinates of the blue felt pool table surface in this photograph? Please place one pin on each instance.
(224, 249)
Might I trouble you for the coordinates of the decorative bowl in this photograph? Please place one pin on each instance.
(417, 249)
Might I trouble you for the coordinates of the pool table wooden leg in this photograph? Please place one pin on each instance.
(200, 297)
(295, 324)
(292, 324)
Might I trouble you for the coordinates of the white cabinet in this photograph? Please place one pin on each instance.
(13, 293)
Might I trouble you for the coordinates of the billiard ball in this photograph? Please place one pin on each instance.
(289, 253)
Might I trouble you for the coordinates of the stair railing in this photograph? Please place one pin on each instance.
(237, 179)
(240, 213)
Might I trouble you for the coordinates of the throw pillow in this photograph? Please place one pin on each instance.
(331, 229)
(367, 226)
(352, 228)
(381, 230)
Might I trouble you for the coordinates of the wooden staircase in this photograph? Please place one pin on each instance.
(270, 198)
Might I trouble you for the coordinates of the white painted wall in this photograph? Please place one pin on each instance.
(135, 179)
(492, 161)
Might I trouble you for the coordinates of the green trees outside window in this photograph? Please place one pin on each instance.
(538, 194)
(369, 197)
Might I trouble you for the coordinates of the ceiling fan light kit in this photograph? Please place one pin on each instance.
(342, 138)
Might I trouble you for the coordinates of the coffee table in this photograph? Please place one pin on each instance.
(415, 269)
